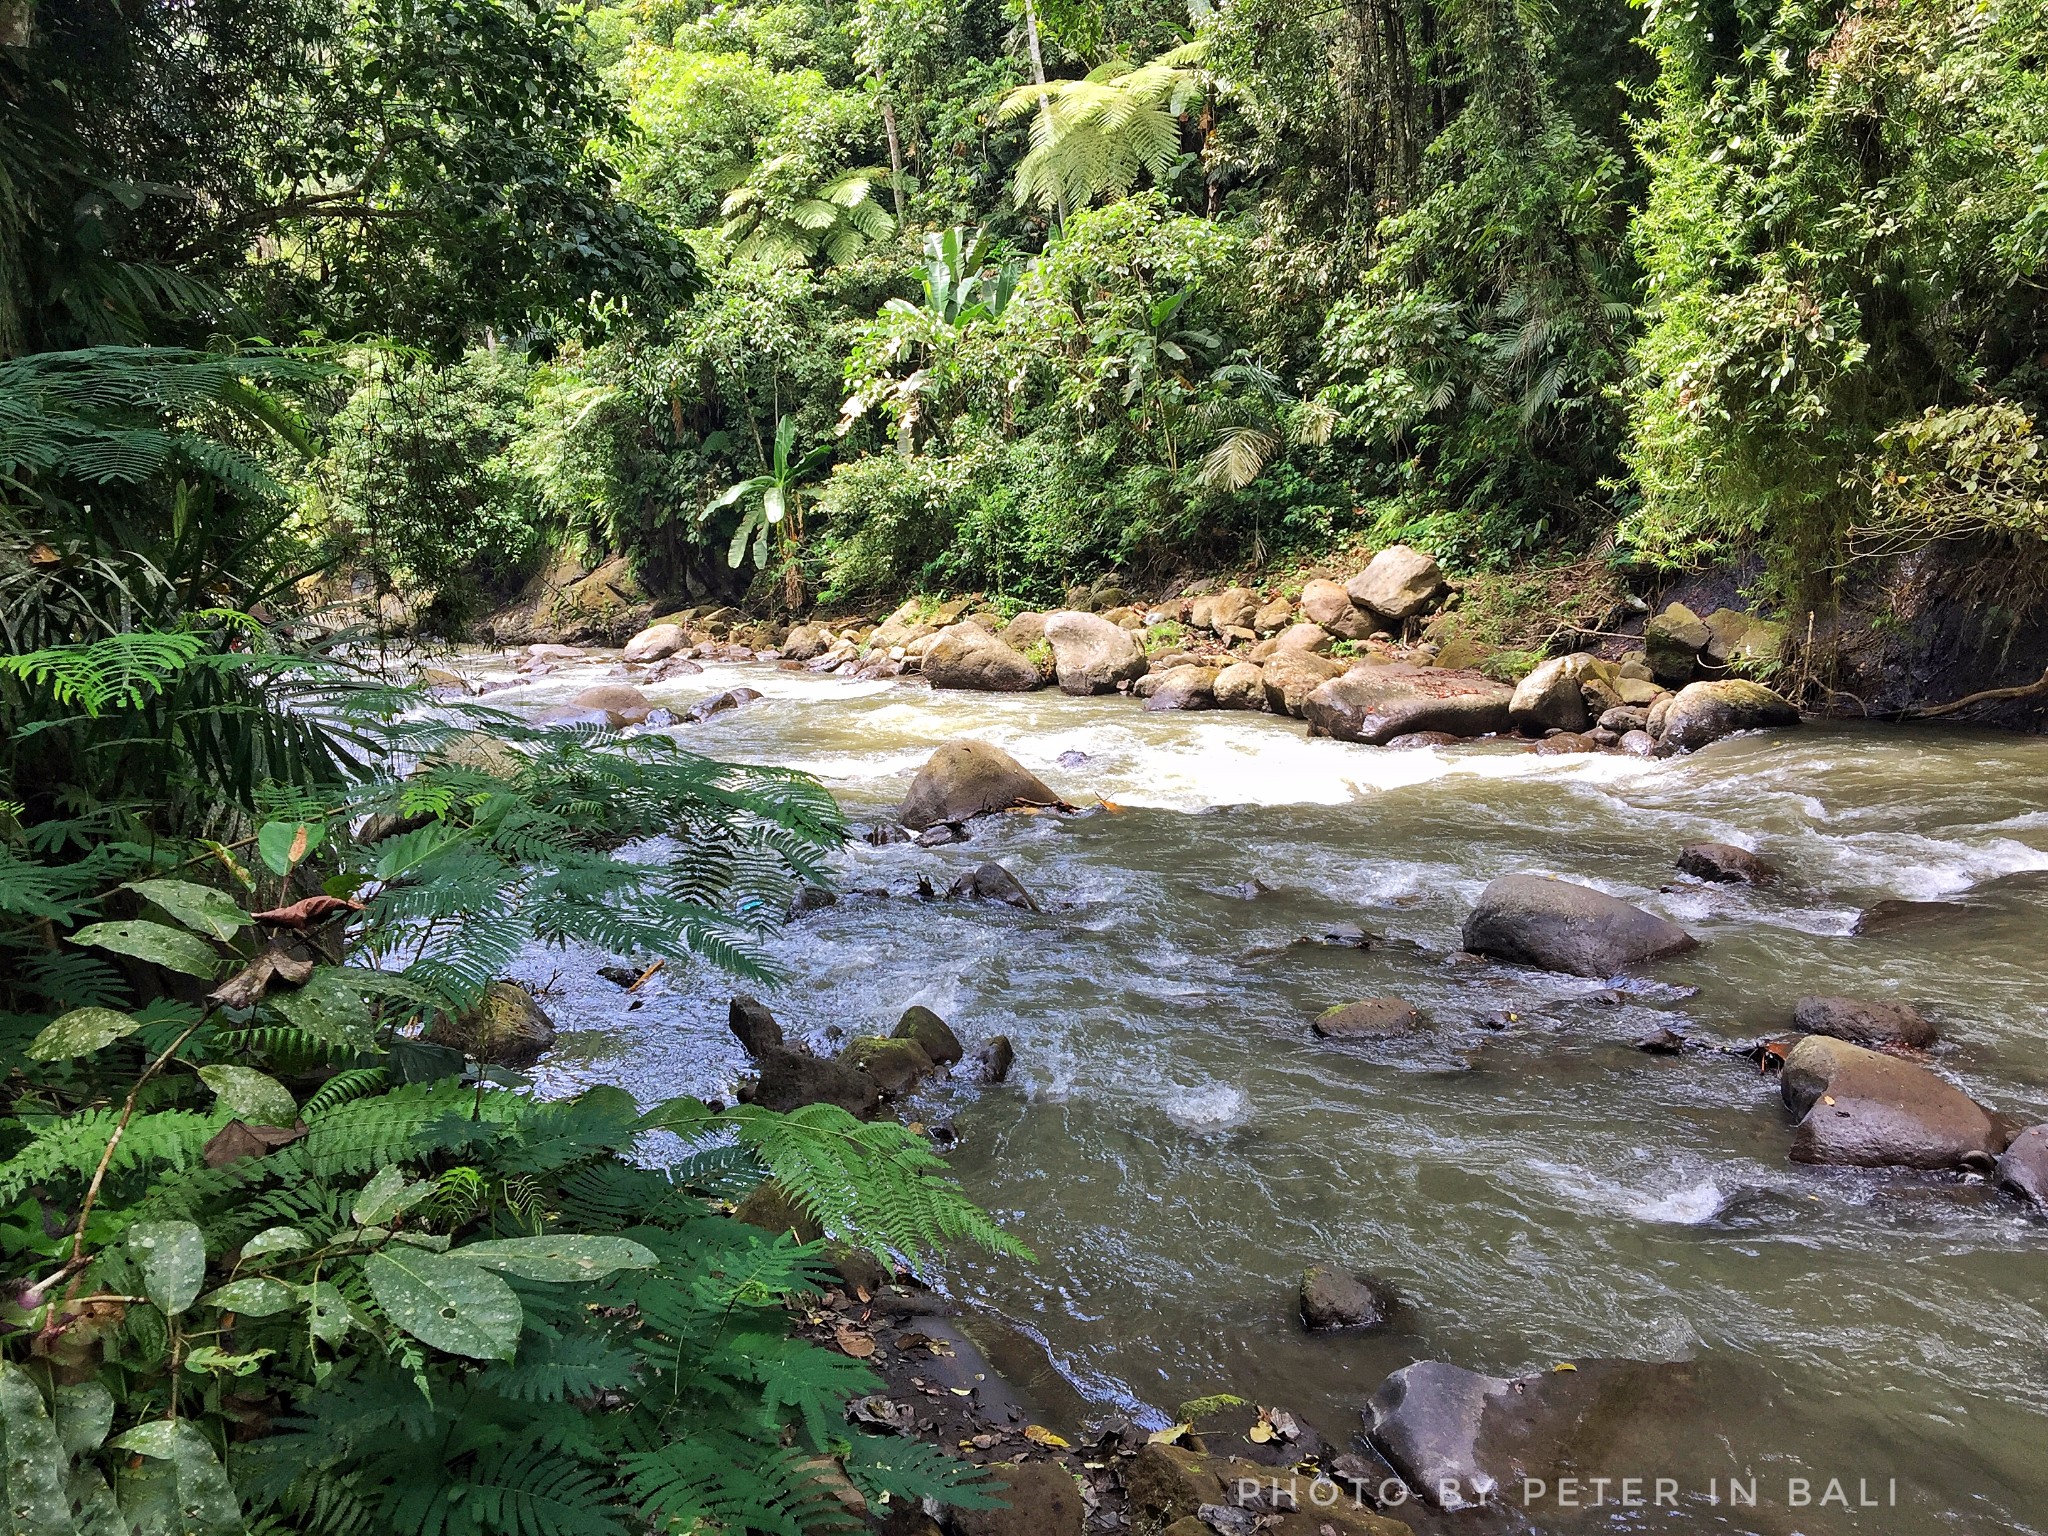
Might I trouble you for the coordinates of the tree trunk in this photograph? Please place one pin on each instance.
(1044, 103)
(14, 20)
(895, 158)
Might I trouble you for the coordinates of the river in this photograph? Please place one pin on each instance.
(1175, 1145)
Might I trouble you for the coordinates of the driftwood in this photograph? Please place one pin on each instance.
(1988, 696)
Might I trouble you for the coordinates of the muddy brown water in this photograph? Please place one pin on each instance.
(1175, 1145)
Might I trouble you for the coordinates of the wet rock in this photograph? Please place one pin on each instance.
(1726, 864)
(1672, 642)
(621, 975)
(882, 833)
(1560, 694)
(806, 642)
(896, 1066)
(1863, 1023)
(657, 642)
(1864, 1109)
(1372, 1018)
(1426, 1420)
(993, 1061)
(791, 1078)
(1375, 704)
(506, 1028)
(753, 1025)
(1232, 608)
(968, 656)
(1408, 741)
(1043, 1500)
(1894, 915)
(720, 703)
(1559, 926)
(1333, 1297)
(1329, 605)
(554, 652)
(1184, 688)
(943, 835)
(1289, 677)
(964, 779)
(1661, 1042)
(1239, 686)
(619, 705)
(1601, 737)
(1565, 744)
(1624, 718)
(2023, 1166)
(441, 680)
(812, 898)
(1638, 744)
(992, 882)
(931, 1032)
(1090, 654)
(1705, 712)
(1397, 584)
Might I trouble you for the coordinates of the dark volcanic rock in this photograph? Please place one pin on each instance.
(1558, 926)
(1726, 864)
(1336, 1298)
(2024, 1165)
(506, 1028)
(930, 1031)
(995, 1059)
(790, 1079)
(1865, 1023)
(719, 703)
(1042, 1499)
(753, 1025)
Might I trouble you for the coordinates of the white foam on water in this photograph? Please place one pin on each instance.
(1689, 1204)
(1211, 1107)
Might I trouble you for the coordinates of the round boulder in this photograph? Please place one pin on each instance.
(1558, 926)
(1397, 584)
(1864, 1109)
(1559, 694)
(1090, 654)
(1333, 1298)
(1371, 1018)
(2023, 1166)
(619, 705)
(1375, 704)
(1705, 712)
(1241, 685)
(931, 1032)
(1864, 1023)
(965, 779)
(657, 642)
(506, 1028)
(968, 656)
(1329, 605)
(1726, 864)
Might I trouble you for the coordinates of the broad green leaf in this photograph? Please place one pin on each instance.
(180, 1487)
(254, 1096)
(256, 1296)
(327, 1006)
(328, 1315)
(774, 502)
(441, 1301)
(85, 1414)
(558, 1259)
(81, 1032)
(285, 844)
(209, 1358)
(172, 948)
(173, 1259)
(387, 1195)
(96, 1512)
(33, 1462)
(202, 908)
(276, 1240)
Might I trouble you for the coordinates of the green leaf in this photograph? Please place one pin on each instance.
(180, 1489)
(33, 1463)
(328, 1314)
(443, 1302)
(96, 1513)
(558, 1259)
(389, 1195)
(81, 1032)
(254, 1096)
(256, 1296)
(774, 502)
(85, 1415)
(173, 1259)
(171, 948)
(202, 908)
(276, 1240)
(327, 1007)
(285, 844)
(210, 1358)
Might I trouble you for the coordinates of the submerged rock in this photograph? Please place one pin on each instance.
(1371, 1018)
(507, 1028)
(1726, 864)
(619, 705)
(791, 1078)
(1375, 704)
(965, 779)
(1090, 654)
(995, 1059)
(969, 657)
(1705, 712)
(1864, 1109)
(1863, 1023)
(992, 882)
(896, 1066)
(1336, 1298)
(1559, 926)
(720, 703)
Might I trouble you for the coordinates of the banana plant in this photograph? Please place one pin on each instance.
(966, 275)
(778, 515)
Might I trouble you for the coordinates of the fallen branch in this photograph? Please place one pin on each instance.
(1987, 696)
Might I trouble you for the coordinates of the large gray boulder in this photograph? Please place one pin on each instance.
(2023, 1166)
(1289, 677)
(1705, 712)
(1333, 1297)
(969, 657)
(1672, 642)
(1398, 583)
(806, 642)
(1559, 926)
(1862, 1022)
(1374, 704)
(1863, 1109)
(1426, 1420)
(1566, 693)
(1186, 687)
(965, 779)
(1090, 654)
(1232, 608)
(657, 642)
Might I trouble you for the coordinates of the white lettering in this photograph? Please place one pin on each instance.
(1568, 1492)
(1834, 1494)
(1315, 1493)
(1737, 1494)
(1247, 1490)
(1798, 1492)
(1631, 1493)
(1599, 1490)
(1533, 1490)
(1667, 1492)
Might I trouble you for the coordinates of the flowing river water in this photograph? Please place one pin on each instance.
(1175, 1145)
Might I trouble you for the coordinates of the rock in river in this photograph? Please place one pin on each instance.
(753, 1025)
(657, 642)
(1559, 926)
(1562, 693)
(992, 882)
(719, 703)
(968, 656)
(965, 779)
(1376, 704)
(1333, 1297)
(1863, 1109)
(619, 704)
(1040, 1498)
(1372, 1018)
(506, 1028)
(2024, 1165)
(894, 1065)
(1186, 687)
(1705, 712)
(1726, 864)
(1241, 685)
(1090, 654)
(930, 1031)
(791, 1078)
(1289, 677)
(1863, 1023)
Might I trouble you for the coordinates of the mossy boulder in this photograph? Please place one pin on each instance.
(931, 1032)
(895, 1066)
(506, 1029)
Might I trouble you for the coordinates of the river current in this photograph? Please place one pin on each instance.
(1175, 1145)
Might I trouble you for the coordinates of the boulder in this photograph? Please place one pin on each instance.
(1565, 744)
(1333, 1297)
(1023, 632)
(657, 642)
(1641, 693)
(1372, 1018)
(1397, 584)
(1726, 864)
(1090, 654)
(1374, 704)
(2023, 1166)
(1863, 1109)
(1559, 926)
(720, 703)
(965, 779)
(992, 882)
(1638, 744)
(506, 1028)
(806, 642)
(674, 666)
(994, 1060)
(1273, 616)
(1041, 1498)
(931, 1032)
(790, 1078)
(906, 624)
(1302, 637)
(1185, 688)
(1864, 1023)
(1672, 642)
(1289, 677)
(1705, 712)
(619, 704)
(1328, 604)
(894, 1065)
(1741, 637)
(753, 1025)
(1409, 741)
(1559, 693)
(968, 656)
(1624, 718)
(1426, 1419)
(1241, 685)
(1232, 608)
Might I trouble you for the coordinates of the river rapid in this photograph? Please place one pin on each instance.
(1175, 1145)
